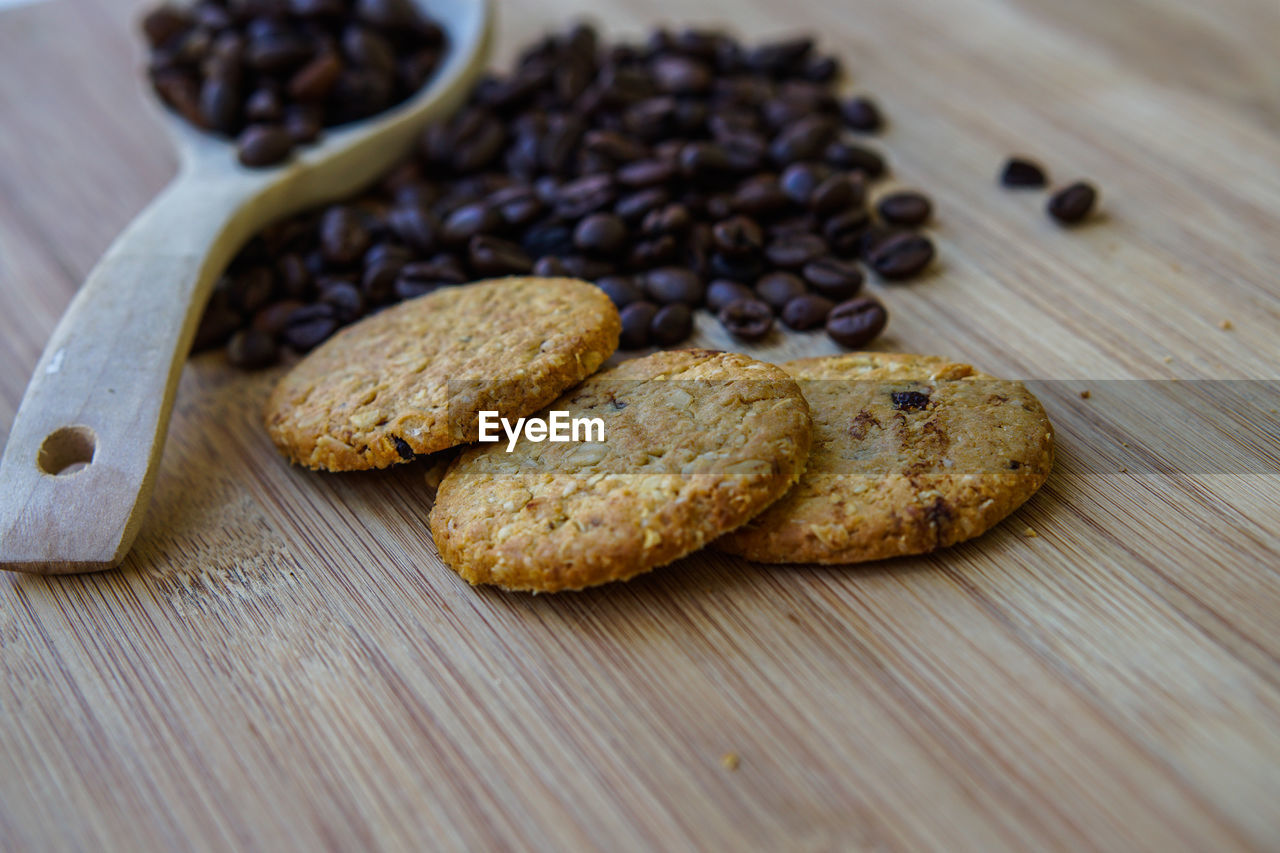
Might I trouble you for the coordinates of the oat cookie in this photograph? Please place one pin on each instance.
(910, 453)
(696, 443)
(412, 378)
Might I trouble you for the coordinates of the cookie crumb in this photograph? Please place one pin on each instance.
(1226, 326)
(1030, 533)
(1085, 395)
(1124, 470)
(1168, 359)
(730, 761)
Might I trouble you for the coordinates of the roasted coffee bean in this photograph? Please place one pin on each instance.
(220, 104)
(833, 277)
(635, 206)
(861, 114)
(550, 266)
(309, 326)
(902, 255)
(806, 311)
(856, 323)
(792, 251)
(216, 325)
(671, 218)
(162, 25)
(264, 105)
(415, 225)
(799, 180)
(747, 319)
(722, 291)
(346, 299)
(273, 318)
(469, 220)
(843, 232)
(1072, 203)
(621, 290)
(907, 208)
(836, 194)
(581, 266)
(251, 289)
(637, 324)
(646, 173)
(778, 288)
(548, 239)
(493, 256)
(585, 195)
(671, 324)
(855, 158)
(600, 234)
(250, 349)
(737, 235)
(263, 145)
(680, 75)
(673, 284)
(760, 196)
(343, 237)
(803, 140)
(1019, 172)
(302, 124)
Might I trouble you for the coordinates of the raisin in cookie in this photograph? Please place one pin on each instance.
(910, 453)
(412, 378)
(696, 442)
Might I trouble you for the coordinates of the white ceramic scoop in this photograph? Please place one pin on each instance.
(81, 458)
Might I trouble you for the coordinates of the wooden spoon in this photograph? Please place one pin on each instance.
(81, 459)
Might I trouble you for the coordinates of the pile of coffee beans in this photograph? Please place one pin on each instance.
(688, 172)
(272, 73)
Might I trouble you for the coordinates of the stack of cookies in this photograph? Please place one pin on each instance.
(831, 460)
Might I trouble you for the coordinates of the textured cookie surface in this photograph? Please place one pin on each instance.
(910, 453)
(412, 378)
(696, 442)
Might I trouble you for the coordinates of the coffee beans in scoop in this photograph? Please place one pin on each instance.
(270, 74)
(691, 170)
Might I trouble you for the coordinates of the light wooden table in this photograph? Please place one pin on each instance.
(283, 661)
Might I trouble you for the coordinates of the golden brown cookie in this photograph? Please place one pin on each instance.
(412, 378)
(910, 453)
(696, 442)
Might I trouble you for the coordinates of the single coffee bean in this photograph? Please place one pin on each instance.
(273, 318)
(343, 237)
(803, 140)
(220, 104)
(671, 325)
(262, 145)
(264, 105)
(314, 81)
(673, 284)
(302, 123)
(600, 233)
(722, 291)
(1072, 203)
(651, 253)
(902, 255)
(806, 311)
(346, 299)
(672, 218)
(550, 266)
(621, 290)
(637, 324)
(216, 325)
(854, 158)
(792, 251)
(469, 220)
(251, 289)
(799, 180)
(1020, 172)
(309, 326)
(759, 196)
(778, 288)
(833, 277)
(646, 173)
(250, 349)
(906, 208)
(843, 232)
(861, 114)
(636, 206)
(856, 323)
(493, 256)
(737, 235)
(746, 319)
(680, 75)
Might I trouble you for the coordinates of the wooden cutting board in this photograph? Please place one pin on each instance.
(283, 660)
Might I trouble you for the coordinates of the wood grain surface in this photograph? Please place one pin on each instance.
(283, 662)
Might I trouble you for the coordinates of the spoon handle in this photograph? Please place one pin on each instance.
(80, 462)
